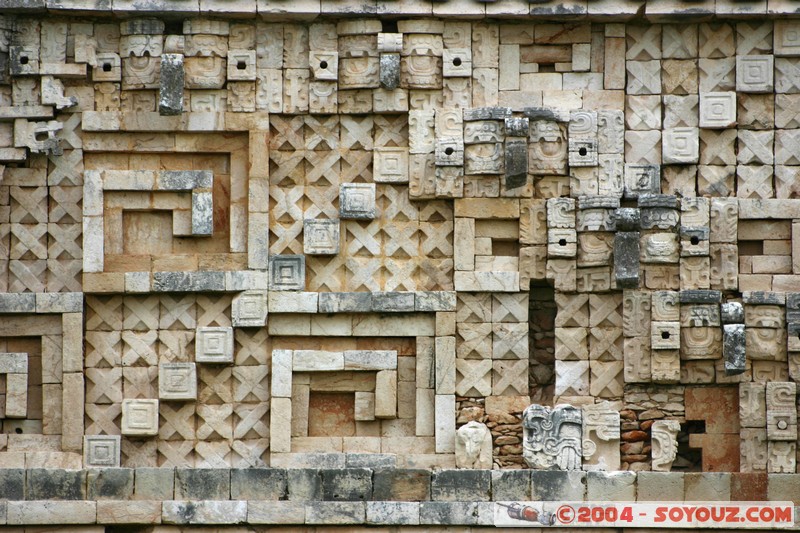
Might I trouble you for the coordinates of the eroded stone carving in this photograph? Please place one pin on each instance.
(552, 437)
(474, 446)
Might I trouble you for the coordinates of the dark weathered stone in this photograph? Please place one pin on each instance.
(545, 113)
(700, 296)
(170, 95)
(555, 485)
(53, 484)
(350, 484)
(18, 303)
(345, 302)
(12, 483)
(598, 202)
(666, 201)
(732, 313)
(202, 484)
(336, 513)
(733, 349)
(110, 483)
(517, 126)
(764, 298)
(142, 26)
(154, 483)
(304, 484)
(793, 307)
(516, 163)
(628, 219)
(456, 513)
(461, 485)
(401, 484)
(486, 113)
(392, 302)
(390, 71)
(188, 281)
(508, 485)
(258, 484)
(687, 233)
(626, 259)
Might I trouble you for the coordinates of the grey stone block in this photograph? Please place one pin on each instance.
(666, 201)
(456, 513)
(357, 201)
(707, 487)
(55, 484)
(734, 349)
(59, 302)
(486, 113)
(392, 302)
(626, 259)
(659, 487)
(699, 296)
(345, 302)
(12, 483)
(764, 298)
(18, 303)
(202, 213)
(599, 202)
(110, 483)
(170, 96)
(154, 483)
(204, 512)
(258, 484)
(393, 513)
(628, 219)
(546, 113)
(142, 26)
(202, 484)
(511, 485)
(732, 313)
(461, 485)
(287, 273)
(611, 486)
(642, 179)
(371, 460)
(188, 281)
(279, 512)
(336, 513)
(351, 484)
(184, 180)
(783, 487)
(516, 155)
(517, 126)
(390, 71)
(435, 301)
(304, 484)
(555, 485)
(401, 484)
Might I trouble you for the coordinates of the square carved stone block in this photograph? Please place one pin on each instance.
(140, 418)
(214, 345)
(320, 237)
(177, 381)
(101, 451)
(249, 309)
(357, 201)
(287, 272)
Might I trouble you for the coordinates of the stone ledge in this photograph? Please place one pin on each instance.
(601, 10)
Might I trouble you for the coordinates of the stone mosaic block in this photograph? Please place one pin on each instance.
(177, 381)
(214, 345)
(287, 272)
(357, 201)
(139, 418)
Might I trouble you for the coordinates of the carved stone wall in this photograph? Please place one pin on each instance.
(271, 235)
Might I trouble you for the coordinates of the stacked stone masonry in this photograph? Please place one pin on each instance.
(478, 251)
